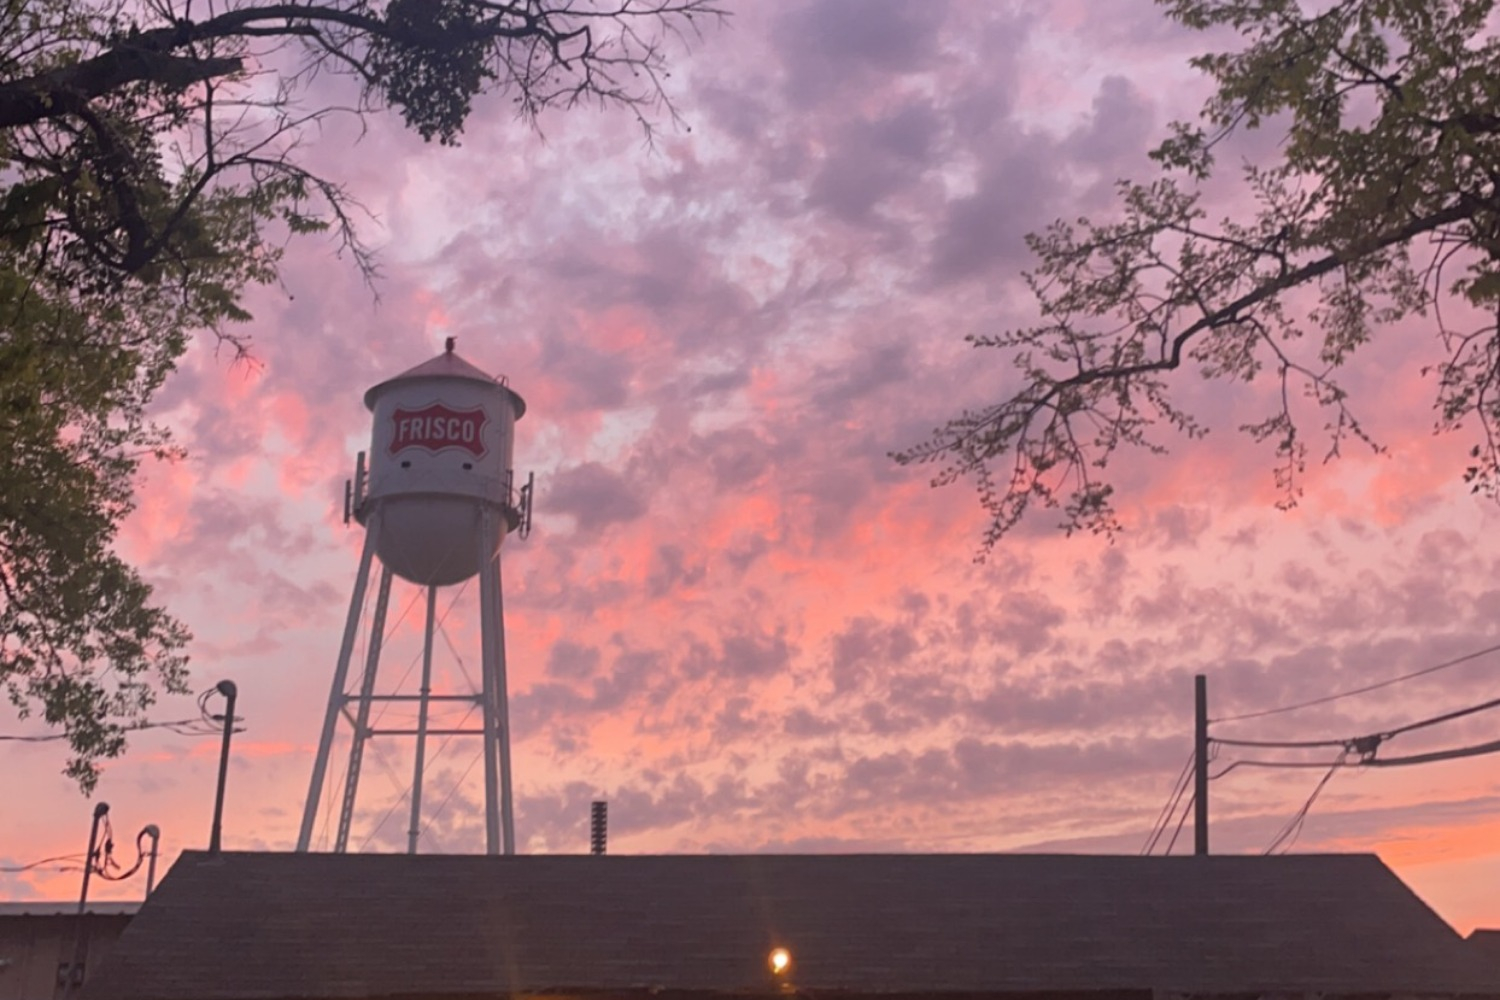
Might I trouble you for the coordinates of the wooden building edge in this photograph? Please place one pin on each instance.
(275, 926)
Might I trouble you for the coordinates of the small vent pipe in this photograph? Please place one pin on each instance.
(598, 827)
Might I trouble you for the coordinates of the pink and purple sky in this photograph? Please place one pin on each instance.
(737, 619)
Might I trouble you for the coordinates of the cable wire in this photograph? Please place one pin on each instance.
(1477, 750)
(332, 790)
(1219, 774)
(1181, 821)
(1275, 764)
(1367, 745)
(447, 798)
(403, 796)
(1360, 690)
(385, 706)
(206, 724)
(1445, 717)
(1280, 744)
(1293, 828)
(1165, 816)
(69, 858)
(175, 725)
(1454, 753)
(105, 865)
(474, 688)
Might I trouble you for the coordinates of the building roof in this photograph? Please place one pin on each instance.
(1487, 941)
(65, 908)
(333, 926)
(447, 365)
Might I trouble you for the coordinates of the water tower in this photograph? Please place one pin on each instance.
(437, 503)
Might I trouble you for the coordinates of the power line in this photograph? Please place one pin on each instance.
(1445, 717)
(102, 863)
(1280, 744)
(69, 859)
(1455, 753)
(176, 725)
(1293, 828)
(1274, 764)
(1367, 745)
(1377, 737)
(1165, 817)
(1437, 755)
(105, 865)
(1360, 690)
(1181, 820)
(206, 724)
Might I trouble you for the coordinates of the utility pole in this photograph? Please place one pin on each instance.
(1200, 765)
(75, 968)
(215, 835)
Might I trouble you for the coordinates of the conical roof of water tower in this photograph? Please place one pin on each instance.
(446, 365)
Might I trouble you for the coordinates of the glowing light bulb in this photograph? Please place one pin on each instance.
(781, 960)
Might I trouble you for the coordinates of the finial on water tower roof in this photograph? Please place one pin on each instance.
(449, 344)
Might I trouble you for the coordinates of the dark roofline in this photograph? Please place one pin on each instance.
(67, 908)
(689, 927)
(822, 993)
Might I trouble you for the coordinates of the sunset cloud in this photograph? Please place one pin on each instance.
(737, 619)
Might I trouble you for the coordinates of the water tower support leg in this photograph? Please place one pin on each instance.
(487, 682)
(422, 704)
(362, 719)
(498, 814)
(340, 677)
(502, 700)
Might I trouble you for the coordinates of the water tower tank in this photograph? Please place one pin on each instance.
(440, 458)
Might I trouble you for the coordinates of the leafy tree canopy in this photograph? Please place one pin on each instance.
(148, 177)
(1383, 204)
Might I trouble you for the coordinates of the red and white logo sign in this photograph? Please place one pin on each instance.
(436, 427)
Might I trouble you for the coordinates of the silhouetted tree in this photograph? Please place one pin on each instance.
(1382, 205)
(149, 174)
